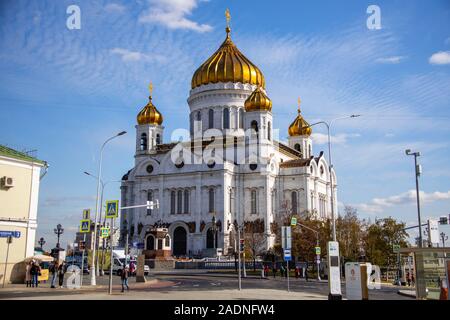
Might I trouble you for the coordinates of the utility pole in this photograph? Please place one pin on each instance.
(444, 238)
(8, 241)
(418, 170)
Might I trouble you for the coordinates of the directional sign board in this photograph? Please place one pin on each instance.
(286, 237)
(104, 232)
(112, 209)
(287, 255)
(317, 249)
(86, 214)
(6, 234)
(293, 221)
(85, 225)
(396, 248)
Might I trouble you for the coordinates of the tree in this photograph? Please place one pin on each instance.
(380, 238)
(350, 232)
(254, 239)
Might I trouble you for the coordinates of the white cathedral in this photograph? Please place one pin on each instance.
(230, 172)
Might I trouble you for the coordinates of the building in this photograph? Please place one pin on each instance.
(231, 166)
(20, 176)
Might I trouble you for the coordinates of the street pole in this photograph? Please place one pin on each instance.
(287, 270)
(417, 172)
(82, 260)
(8, 241)
(111, 256)
(318, 258)
(93, 280)
(239, 257)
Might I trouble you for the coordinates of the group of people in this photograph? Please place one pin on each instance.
(284, 272)
(32, 272)
(57, 270)
(410, 279)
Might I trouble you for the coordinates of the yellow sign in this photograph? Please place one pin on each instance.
(85, 225)
(104, 232)
(112, 209)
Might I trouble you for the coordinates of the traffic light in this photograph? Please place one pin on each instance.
(241, 245)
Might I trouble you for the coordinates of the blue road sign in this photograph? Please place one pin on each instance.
(112, 209)
(6, 234)
(287, 255)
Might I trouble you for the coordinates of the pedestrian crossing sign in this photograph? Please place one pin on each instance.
(86, 214)
(104, 232)
(85, 225)
(112, 209)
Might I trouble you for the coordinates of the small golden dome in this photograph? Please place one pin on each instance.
(227, 64)
(258, 101)
(149, 114)
(299, 127)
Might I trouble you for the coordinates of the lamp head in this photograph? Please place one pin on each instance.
(408, 152)
(121, 133)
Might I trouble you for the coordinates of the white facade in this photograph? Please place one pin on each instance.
(190, 194)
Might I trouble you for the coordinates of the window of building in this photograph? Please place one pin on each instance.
(186, 201)
(149, 198)
(211, 200)
(253, 202)
(172, 202)
(180, 202)
(254, 125)
(241, 118)
(167, 244)
(143, 141)
(158, 139)
(226, 118)
(294, 202)
(309, 151)
(211, 118)
(297, 147)
(269, 131)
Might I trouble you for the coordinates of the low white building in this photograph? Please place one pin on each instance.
(229, 166)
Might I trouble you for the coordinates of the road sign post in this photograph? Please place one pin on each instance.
(85, 226)
(287, 258)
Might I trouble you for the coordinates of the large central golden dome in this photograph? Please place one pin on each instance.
(227, 64)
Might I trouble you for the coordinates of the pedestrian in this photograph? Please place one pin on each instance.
(306, 274)
(34, 271)
(297, 272)
(408, 279)
(132, 268)
(274, 270)
(54, 271)
(61, 271)
(413, 280)
(28, 274)
(282, 270)
(124, 278)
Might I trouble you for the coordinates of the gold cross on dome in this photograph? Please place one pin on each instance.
(228, 16)
(299, 101)
(150, 88)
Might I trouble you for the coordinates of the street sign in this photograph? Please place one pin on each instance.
(433, 231)
(293, 221)
(396, 248)
(317, 249)
(6, 234)
(104, 232)
(112, 209)
(286, 237)
(287, 255)
(86, 214)
(85, 226)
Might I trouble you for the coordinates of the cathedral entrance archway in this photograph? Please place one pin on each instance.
(150, 242)
(210, 239)
(179, 241)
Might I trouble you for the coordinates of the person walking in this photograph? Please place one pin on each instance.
(28, 274)
(274, 270)
(54, 271)
(306, 273)
(34, 271)
(124, 278)
(61, 271)
(408, 279)
(297, 272)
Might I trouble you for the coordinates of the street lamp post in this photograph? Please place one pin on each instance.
(59, 230)
(418, 172)
(41, 242)
(94, 251)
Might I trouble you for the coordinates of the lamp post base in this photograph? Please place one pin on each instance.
(334, 296)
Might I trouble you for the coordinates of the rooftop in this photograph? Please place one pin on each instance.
(19, 155)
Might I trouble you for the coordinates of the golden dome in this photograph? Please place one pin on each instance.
(227, 64)
(258, 101)
(299, 127)
(149, 114)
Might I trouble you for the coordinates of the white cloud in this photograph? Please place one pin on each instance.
(391, 60)
(172, 14)
(128, 55)
(114, 8)
(441, 57)
(377, 205)
(321, 138)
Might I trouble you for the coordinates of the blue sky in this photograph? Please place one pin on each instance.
(63, 92)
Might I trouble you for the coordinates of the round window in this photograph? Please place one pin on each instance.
(211, 164)
(149, 168)
(253, 166)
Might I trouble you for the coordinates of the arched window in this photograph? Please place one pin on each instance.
(211, 118)
(186, 201)
(226, 118)
(143, 141)
(149, 198)
(235, 141)
(309, 151)
(180, 202)
(172, 202)
(241, 118)
(297, 147)
(211, 200)
(294, 202)
(150, 243)
(167, 244)
(269, 130)
(158, 139)
(253, 202)
(211, 238)
(254, 125)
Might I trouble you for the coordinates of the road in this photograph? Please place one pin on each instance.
(192, 287)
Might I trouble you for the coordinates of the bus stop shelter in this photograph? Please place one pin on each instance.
(431, 266)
